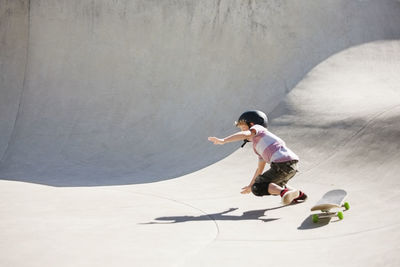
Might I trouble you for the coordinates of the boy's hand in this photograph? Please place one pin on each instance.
(216, 140)
(246, 189)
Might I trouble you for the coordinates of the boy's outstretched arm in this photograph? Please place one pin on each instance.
(239, 136)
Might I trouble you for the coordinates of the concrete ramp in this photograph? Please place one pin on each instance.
(102, 102)
(125, 92)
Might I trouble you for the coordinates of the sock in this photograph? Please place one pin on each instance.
(284, 191)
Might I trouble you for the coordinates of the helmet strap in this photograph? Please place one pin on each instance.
(244, 143)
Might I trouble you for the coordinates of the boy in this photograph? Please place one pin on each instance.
(270, 149)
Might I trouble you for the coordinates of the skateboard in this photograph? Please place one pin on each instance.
(332, 200)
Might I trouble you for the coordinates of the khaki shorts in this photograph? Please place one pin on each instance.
(280, 173)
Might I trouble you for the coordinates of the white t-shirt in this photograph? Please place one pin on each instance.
(270, 147)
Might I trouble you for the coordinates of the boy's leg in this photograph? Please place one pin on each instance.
(274, 182)
(282, 173)
(271, 182)
(288, 195)
(278, 176)
(274, 189)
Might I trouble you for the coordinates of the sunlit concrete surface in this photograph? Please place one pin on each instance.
(105, 109)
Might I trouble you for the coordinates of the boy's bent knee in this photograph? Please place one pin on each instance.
(260, 189)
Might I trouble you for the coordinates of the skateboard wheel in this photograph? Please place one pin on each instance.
(340, 215)
(315, 218)
(347, 205)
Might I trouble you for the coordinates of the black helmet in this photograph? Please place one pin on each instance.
(254, 116)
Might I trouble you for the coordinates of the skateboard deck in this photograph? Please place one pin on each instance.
(332, 200)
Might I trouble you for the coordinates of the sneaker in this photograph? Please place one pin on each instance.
(301, 198)
(289, 195)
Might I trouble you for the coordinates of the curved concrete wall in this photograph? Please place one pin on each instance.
(14, 18)
(120, 92)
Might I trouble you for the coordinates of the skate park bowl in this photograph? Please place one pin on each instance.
(105, 110)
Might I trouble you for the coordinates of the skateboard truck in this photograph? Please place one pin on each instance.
(328, 214)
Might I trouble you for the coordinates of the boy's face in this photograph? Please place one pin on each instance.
(243, 127)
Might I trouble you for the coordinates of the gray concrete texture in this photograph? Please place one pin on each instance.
(121, 92)
(103, 102)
